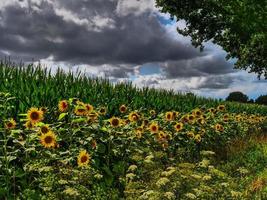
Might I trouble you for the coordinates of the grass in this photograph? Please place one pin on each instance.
(246, 163)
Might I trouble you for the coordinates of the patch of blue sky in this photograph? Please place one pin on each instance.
(132, 77)
(164, 20)
(150, 68)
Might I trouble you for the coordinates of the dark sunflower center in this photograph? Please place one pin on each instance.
(178, 126)
(168, 116)
(135, 117)
(64, 105)
(154, 128)
(34, 115)
(44, 129)
(48, 139)
(84, 159)
(81, 110)
(115, 122)
(123, 109)
(9, 124)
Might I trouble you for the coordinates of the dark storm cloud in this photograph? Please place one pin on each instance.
(39, 33)
(93, 32)
(201, 66)
(216, 82)
(119, 71)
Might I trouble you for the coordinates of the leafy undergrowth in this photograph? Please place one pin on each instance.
(247, 164)
(243, 175)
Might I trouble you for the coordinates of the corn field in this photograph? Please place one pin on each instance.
(34, 86)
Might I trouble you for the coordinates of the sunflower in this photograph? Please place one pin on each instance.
(80, 103)
(219, 127)
(44, 129)
(115, 122)
(94, 144)
(29, 125)
(221, 108)
(161, 135)
(127, 121)
(202, 132)
(184, 119)
(197, 138)
(80, 110)
(145, 122)
(89, 108)
(43, 109)
(63, 106)
(201, 120)
(102, 111)
(197, 113)
(169, 116)
(238, 118)
(34, 115)
(152, 112)
(83, 158)
(178, 126)
(165, 145)
(133, 116)
(191, 134)
(11, 124)
(48, 140)
(174, 114)
(191, 118)
(140, 128)
(93, 116)
(212, 110)
(139, 132)
(168, 136)
(123, 108)
(154, 127)
(226, 118)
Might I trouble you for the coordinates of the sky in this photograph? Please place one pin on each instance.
(122, 40)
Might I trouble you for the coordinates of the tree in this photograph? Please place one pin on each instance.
(237, 96)
(238, 26)
(262, 100)
(251, 101)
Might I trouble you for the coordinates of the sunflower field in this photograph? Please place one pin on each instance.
(93, 140)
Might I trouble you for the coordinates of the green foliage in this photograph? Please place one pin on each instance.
(248, 167)
(239, 27)
(32, 170)
(261, 100)
(238, 97)
(35, 86)
(183, 180)
(122, 158)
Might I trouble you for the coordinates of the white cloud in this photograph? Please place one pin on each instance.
(103, 22)
(135, 7)
(97, 23)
